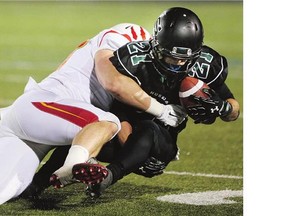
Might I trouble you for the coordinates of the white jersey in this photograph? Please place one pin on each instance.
(52, 112)
(71, 96)
(77, 72)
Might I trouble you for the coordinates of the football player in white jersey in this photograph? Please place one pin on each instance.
(71, 107)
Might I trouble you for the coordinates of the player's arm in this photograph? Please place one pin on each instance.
(234, 114)
(122, 87)
(232, 106)
(221, 102)
(128, 91)
(210, 108)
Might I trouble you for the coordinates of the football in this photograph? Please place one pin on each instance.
(191, 86)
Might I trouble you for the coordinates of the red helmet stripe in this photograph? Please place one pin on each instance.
(143, 34)
(134, 35)
(112, 31)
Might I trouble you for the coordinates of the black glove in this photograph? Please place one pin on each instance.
(204, 119)
(151, 168)
(209, 108)
(200, 115)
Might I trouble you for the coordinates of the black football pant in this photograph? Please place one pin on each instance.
(148, 139)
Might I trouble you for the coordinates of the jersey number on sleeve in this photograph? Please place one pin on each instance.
(140, 51)
(201, 68)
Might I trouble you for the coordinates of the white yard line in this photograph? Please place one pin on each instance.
(27, 65)
(5, 102)
(196, 174)
(203, 198)
(203, 175)
(14, 78)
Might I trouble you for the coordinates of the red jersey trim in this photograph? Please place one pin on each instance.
(75, 115)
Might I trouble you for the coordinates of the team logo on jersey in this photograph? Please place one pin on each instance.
(159, 96)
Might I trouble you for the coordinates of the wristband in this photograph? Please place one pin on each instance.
(155, 108)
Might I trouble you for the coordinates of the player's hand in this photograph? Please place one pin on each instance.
(152, 167)
(172, 115)
(200, 115)
(204, 119)
(213, 106)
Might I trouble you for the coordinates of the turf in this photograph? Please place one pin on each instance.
(37, 36)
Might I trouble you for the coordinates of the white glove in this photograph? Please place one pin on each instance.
(172, 115)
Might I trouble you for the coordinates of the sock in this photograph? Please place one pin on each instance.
(76, 154)
(117, 170)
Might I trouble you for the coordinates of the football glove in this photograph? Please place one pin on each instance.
(209, 108)
(152, 167)
(172, 115)
(204, 119)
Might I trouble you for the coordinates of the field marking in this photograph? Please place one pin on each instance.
(203, 175)
(6, 102)
(203, 198)
(28, 65)
(14, 78)
(195, 174)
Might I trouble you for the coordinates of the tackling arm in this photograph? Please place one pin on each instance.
(122, 87)
(128, 91)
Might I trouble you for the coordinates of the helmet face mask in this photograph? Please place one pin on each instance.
(178, 34)
(168, 62)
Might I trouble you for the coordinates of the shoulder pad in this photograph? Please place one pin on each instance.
(127, 59)
(210, 67)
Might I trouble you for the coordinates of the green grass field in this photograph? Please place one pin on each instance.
(36, 37)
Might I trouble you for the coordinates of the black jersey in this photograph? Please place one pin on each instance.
(135, 60)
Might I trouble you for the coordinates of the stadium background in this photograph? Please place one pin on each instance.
(35, 37)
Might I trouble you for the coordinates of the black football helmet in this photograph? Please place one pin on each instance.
(178, 33)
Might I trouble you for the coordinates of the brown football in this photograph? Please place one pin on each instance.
(191, 86)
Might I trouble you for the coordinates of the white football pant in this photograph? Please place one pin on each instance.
(42, 117)
(18, 165)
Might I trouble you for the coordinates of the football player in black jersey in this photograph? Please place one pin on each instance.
(159, 65)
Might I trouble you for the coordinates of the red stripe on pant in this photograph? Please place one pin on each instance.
(76, 115)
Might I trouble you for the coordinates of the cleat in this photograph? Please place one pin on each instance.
(61, 178)
(96, 190)
(55, 181)
(32, 192)
(89, 173)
